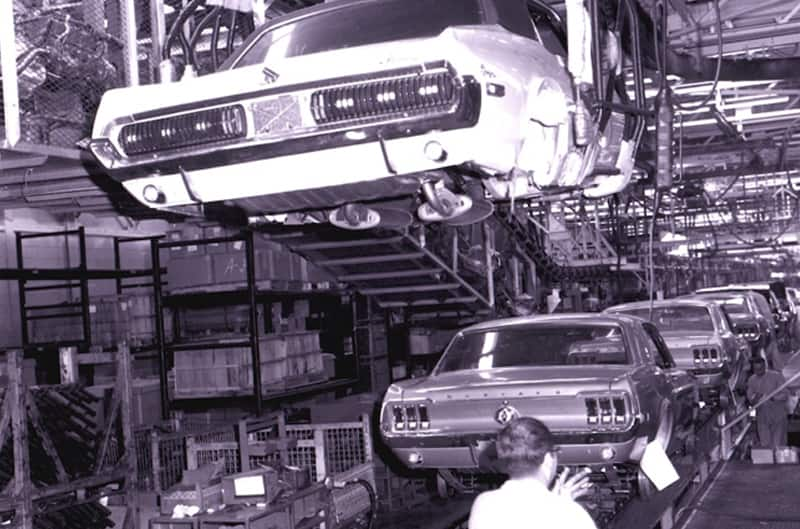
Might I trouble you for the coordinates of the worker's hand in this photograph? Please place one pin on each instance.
(575, 486)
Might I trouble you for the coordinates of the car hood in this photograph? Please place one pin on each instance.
(684, 339)
(516, 382)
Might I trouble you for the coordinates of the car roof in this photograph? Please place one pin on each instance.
(579, 317)
(734, 288)
(662, 303)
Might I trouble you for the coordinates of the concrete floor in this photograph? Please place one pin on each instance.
(748, 496)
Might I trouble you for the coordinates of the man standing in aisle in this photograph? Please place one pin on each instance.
(527, 449)
(771, 417)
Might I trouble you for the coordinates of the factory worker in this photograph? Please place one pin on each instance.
(527, 450)
(771, 417)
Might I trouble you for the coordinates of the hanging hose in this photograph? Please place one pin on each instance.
(231, 32)
(176, 31)
(195, 39)
(214, 40)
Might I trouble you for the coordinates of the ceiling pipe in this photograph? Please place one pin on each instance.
(698, 68)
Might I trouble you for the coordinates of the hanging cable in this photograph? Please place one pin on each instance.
(713, 90)
(195, 39)
(176, 32)
(652, 280)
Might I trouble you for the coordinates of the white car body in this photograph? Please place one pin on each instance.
(518, 137)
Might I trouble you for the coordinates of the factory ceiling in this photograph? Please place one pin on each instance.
(736, 132)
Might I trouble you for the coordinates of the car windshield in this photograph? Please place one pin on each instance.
(358, 24)
(535, 345)
(677, 318)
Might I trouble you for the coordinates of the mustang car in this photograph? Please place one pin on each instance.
(700, 337)
(751, 320)
(329, 110)
(605, 384)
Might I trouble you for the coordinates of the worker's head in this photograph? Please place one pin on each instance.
(759, 366)
(526, 447)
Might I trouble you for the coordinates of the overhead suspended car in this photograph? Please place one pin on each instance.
(359, 111)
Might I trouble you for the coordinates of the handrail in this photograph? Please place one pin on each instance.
(758, 404)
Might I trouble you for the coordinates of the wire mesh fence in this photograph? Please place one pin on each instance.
(67, 54)
(324, 449)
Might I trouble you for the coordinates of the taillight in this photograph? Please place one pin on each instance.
(620, 410)
(437, 91)
(592, 412)
(605, 411)
(194, 128)
(608, 411)
(424, 421)
(706, 356)
(399, 418)
(411, 417)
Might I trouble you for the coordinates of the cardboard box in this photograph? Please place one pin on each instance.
(190, 271)
(214, 232)
(230, 267)
(762, 456)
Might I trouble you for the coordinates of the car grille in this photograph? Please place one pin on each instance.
(407, 95)
(194, 128)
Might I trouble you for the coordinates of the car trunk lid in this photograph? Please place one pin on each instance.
(479, 401)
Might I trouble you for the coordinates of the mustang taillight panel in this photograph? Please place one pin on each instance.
(410, 417)
(211, 125)
(407, 96)
(706, 356)
(608, 411)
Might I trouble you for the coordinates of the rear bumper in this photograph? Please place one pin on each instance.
(710, 378)
(474, 452)
(347, 164)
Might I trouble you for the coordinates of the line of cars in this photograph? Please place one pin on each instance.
(606, 384)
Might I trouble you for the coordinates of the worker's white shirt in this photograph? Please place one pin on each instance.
(527, 504)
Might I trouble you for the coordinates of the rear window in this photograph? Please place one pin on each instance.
(358, 25)
(735, 306)
(677, 318)
(536, 345)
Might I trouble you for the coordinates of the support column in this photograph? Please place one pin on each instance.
(125, 388)
(18, 394)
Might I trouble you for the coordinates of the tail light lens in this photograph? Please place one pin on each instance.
(706, 356)
(592, 411)
(608, 411)
(411, 417)
(429, 92)
(184, 130)
(399, 418)
(424, 421)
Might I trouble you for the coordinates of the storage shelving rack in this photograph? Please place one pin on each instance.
(76, 278)
(252, 293)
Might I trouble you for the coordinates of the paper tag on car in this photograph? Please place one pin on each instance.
(657, 467)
